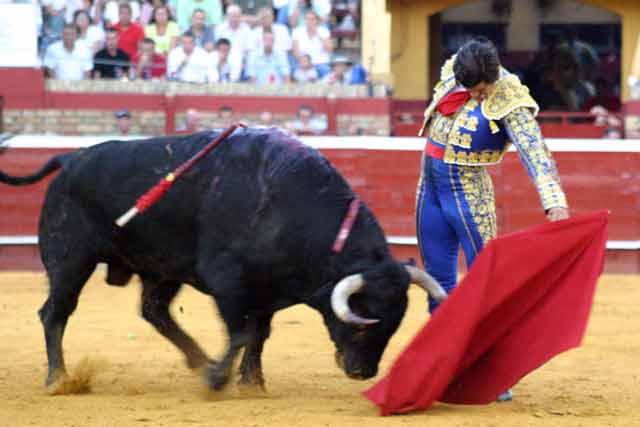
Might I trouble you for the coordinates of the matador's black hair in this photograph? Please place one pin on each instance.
(476, 61)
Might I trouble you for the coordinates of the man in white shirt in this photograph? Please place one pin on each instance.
(66, 59)
(267, 65)
(188, 63)
(315, 41)
(236, 31)
(226, 66)
(281, 37)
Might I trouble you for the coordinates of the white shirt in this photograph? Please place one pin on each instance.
(95, 35)
(68, 65)
(112, 13)
(241, 38)
(313, 47)
(229, 72)
(71, 7)
(281, 38)
(196, 69)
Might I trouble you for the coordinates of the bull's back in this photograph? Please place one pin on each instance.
(259, 192)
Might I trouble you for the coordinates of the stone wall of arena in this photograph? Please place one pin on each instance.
(33, 105)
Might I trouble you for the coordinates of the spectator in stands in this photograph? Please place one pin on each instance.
(307, 124)
(111, 62)
(226, 66)
(129, 33)
(91, 35)
(315, 41)
(63, 9)
(604, 97)
(184, 10)
(559, 82)
(298, 9)
(350, 21)
(281, 10)
(202, 33)
(147, 64)
(267, 65)
(162, 30)
(305, 72)
(123, 122)
(146, 11)
(66, 59)
(340, 71)
(587, 58)
(191, 122)
(236, 31)
(187, 62)
(226, 116)
(53, 20)
(609, 122)
(282, 39)
(612, 133)
(111, 14)
(266, 119)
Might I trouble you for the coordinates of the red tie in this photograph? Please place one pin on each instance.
(452, 102)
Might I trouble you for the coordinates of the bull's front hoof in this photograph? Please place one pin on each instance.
(253, 380)
(216, 376)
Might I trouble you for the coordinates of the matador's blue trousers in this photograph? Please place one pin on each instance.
(455, 207)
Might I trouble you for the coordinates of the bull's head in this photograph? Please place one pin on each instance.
(368, 308)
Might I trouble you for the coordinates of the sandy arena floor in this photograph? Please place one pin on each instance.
(140, 378)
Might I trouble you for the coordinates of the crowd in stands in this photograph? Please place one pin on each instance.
(198, 41)
(567, 75)
(307, 122)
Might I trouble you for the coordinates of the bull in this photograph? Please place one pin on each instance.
(252, 225)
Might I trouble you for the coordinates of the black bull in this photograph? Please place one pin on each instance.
(251, 225)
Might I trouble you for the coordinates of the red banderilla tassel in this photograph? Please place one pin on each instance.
(156, 192)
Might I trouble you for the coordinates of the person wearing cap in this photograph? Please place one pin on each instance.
(477, 110)
(340, 71)
(123, 121)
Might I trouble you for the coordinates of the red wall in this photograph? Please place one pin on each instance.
(386, 181)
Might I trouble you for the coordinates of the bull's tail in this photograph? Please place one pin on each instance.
(51, 166)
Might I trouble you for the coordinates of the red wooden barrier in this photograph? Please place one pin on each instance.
(386, 181)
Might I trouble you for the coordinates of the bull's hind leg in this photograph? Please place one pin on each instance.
(66, 280)
(156, 298)
(259, 328)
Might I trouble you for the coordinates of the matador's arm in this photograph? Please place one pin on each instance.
(524, 133)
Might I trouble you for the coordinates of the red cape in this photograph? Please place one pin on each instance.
(526, 299)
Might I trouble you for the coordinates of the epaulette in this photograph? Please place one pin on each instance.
(507, 95)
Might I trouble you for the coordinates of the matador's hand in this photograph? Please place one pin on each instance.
(556, 214)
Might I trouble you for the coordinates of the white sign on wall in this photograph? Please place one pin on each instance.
(18, 35)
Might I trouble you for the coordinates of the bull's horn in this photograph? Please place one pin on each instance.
(340, 300)
(426, 282)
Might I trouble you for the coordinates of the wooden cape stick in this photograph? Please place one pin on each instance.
(156, 192)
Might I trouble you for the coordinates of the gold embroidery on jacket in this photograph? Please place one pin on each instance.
(526, 136)
(507, 95)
